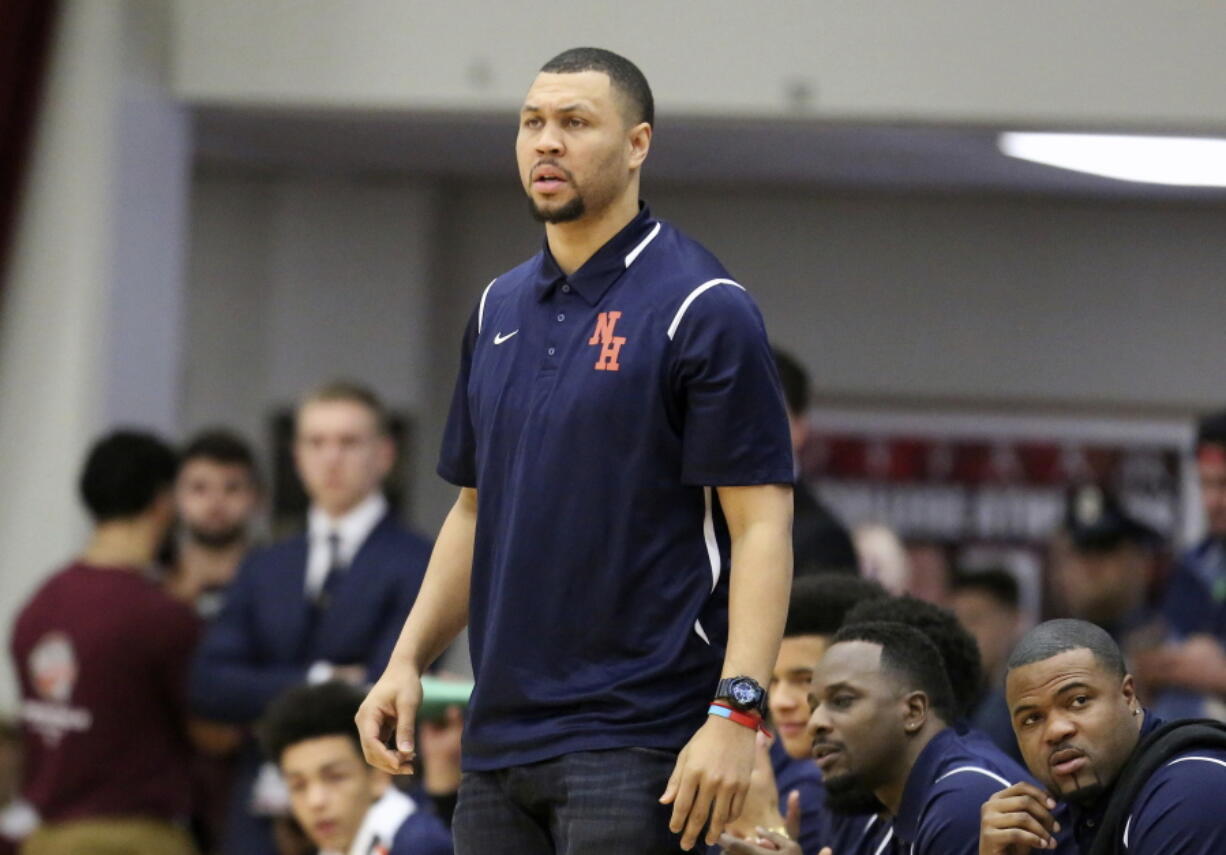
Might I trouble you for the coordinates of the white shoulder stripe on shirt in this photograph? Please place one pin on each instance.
(481, 308)
(708, 536)
(978, 769)
(634, 253)
(1128, 824)
(1196, 757)
(694, 295)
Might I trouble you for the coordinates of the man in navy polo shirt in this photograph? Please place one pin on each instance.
(1136, 785)
(882, 717)
(621, 544)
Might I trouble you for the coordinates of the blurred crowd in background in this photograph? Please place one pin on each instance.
(190, 688)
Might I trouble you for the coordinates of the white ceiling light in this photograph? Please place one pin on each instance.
(1179, 161)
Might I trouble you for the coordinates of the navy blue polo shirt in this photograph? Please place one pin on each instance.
(859, 834)
(594, 414)
(1177, 812)
(951, 779)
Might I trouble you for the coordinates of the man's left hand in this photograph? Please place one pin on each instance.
(709, 782)
(767, 842)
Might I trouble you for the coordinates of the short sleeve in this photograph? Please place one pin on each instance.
(735, 426)
(457, 461)
(1179, 812)
(951, 819)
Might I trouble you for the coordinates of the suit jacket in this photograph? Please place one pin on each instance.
(264, 640)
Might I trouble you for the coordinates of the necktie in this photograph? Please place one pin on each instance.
(336, 569)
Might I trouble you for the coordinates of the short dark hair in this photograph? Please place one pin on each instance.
(623, 74)
(1000, 585)
(220, 445)
(958, 650)
(310, 712)
(907, 653)
(1211, 429)
(124, 473)
(819, 604)
(354, 393)
(796, 391)
(1053, 637)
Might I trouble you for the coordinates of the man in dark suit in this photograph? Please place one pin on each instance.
(324, 605)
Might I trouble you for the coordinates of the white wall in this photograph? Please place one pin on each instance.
(1083, 304)
(296, 281)
(90, 333)
(982, 302)
(1133, 63)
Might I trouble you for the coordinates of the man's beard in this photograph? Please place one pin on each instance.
(1082, 796)
(846, 795)
(216, 538)
(567, 213)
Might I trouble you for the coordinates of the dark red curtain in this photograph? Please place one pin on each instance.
(25, 41)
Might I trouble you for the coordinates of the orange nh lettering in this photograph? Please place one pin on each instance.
(611, 345)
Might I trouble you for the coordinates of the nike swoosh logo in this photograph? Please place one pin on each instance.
(499, 338)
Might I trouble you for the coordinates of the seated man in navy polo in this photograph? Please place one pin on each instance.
(343, 805)
(787, 783)
(883, 705)
(1136, 785)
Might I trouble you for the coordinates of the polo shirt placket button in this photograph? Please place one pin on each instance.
(561, 317)
(551, 351)
(566, 288)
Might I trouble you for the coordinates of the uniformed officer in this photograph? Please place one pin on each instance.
(1193, 664)
(620, 547)
(1104, 562)
(1136, 785)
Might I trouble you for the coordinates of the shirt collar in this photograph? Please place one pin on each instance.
(919, 782)
(354, 527)
(382, 822)
(600, 271)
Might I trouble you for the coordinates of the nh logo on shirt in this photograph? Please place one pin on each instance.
(610, 344)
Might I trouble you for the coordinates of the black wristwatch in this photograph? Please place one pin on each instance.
(742, 694)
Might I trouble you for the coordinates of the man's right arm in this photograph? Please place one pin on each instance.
(438, 616)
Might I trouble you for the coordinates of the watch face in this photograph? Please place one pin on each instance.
(744, 692)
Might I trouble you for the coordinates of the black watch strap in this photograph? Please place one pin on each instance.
(742, 693)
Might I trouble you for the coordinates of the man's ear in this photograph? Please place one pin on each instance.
(915, 711)
(1128, 689)
(387, 455)
(639, 140)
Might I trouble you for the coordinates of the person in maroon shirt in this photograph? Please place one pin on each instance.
(102, 655)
